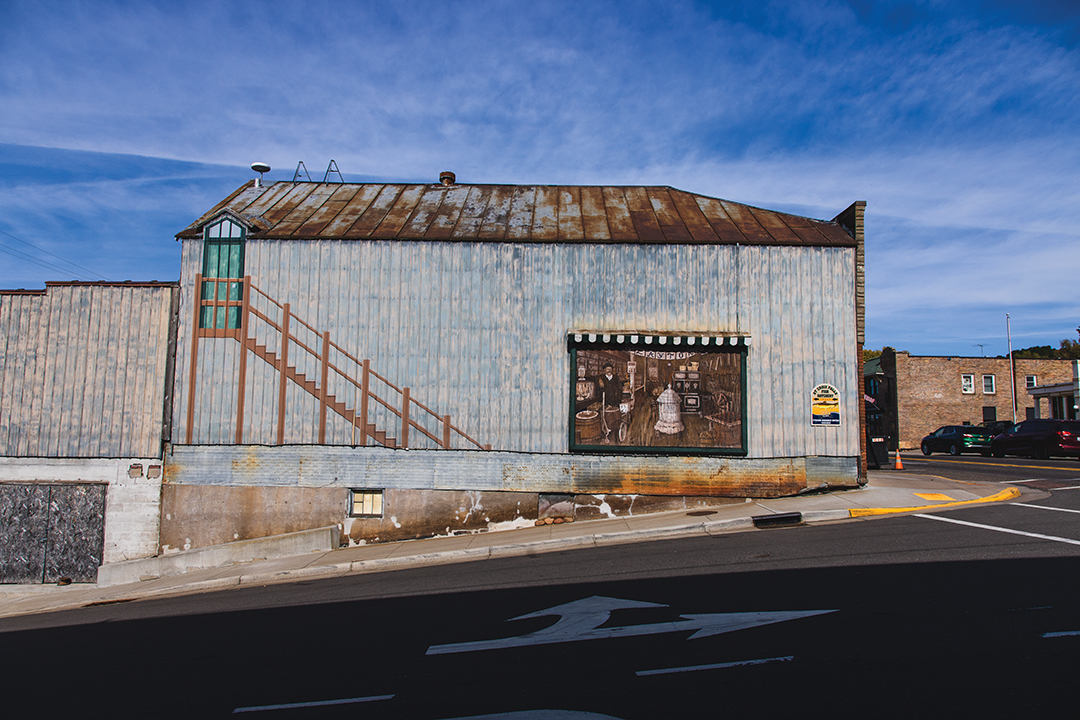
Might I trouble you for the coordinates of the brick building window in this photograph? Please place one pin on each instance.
(967, 384)
(989, 413)
(1030, 381)
(989, 388)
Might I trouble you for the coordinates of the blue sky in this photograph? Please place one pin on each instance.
(957, 122)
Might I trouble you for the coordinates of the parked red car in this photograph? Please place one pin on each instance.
(1040, 439)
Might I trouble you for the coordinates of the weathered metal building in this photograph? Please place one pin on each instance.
(453, 355)
(85, 369)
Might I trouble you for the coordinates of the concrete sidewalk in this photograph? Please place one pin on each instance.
(886, 493)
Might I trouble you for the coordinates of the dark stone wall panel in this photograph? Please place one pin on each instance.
(24, 518)
(76, 538)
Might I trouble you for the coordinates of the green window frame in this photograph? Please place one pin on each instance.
(223, 259)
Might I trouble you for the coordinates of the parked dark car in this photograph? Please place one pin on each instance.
(1039, 439)
(996, 427)
(956, 439)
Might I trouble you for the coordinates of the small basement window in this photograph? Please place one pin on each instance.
(365, 503)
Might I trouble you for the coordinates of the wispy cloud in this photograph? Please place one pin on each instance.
(955, 121)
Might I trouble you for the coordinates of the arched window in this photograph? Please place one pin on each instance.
(223, 259)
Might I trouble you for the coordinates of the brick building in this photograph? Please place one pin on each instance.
(930, 391)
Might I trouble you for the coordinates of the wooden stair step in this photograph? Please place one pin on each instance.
(311, 387)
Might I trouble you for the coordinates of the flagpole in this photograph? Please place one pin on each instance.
(1012, 367)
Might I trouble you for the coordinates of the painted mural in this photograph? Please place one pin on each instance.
(658, 401)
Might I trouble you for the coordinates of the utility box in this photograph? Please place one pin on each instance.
(877, 452)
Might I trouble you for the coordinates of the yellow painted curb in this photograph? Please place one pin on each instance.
(1007, 494)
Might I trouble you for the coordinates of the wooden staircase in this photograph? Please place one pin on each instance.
(331, 402)
(239, 311)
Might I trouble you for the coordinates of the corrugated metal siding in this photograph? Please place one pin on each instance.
(319, 467)
(82, 370)
(478, 330)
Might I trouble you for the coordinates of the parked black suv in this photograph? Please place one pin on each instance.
(996, 427)
(1040, 439)
(956, 439)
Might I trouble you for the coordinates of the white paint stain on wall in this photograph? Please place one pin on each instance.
(476, 505)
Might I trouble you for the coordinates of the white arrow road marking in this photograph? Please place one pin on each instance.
(581, 620)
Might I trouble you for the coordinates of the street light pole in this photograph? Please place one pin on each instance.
(1012, 367)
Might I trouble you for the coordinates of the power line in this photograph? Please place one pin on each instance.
(42, 250)
(41, 263)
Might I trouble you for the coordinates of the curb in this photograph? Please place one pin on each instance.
(1006, 494)
(132, 591)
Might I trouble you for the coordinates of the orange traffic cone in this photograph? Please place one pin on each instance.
(899, 465)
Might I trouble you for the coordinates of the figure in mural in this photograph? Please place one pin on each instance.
(610, 387)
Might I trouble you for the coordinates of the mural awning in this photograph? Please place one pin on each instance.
(687, 342)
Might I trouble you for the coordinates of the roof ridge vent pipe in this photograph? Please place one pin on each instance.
(260, 167)
(447, 178)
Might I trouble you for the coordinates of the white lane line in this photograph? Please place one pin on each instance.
(714, 666)
(1010, 482)
(316, 703)
(1062, 634)
(1037, 536)
(1044, 507)
(1071, 487)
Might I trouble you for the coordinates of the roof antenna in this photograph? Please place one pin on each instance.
(300, 166)
(260, 167)
(333, 168)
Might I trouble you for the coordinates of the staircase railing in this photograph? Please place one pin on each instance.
(221, 295)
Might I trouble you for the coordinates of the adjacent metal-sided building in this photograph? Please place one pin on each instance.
(85, 371)
(463, 356)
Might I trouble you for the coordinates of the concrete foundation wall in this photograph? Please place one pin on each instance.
(200, 516)
(132, 501)
(194, 516)
(220, 494)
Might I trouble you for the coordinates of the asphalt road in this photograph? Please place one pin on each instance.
(965, 612)
(976, 468)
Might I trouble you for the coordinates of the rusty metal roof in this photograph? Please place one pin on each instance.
(511, 213)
